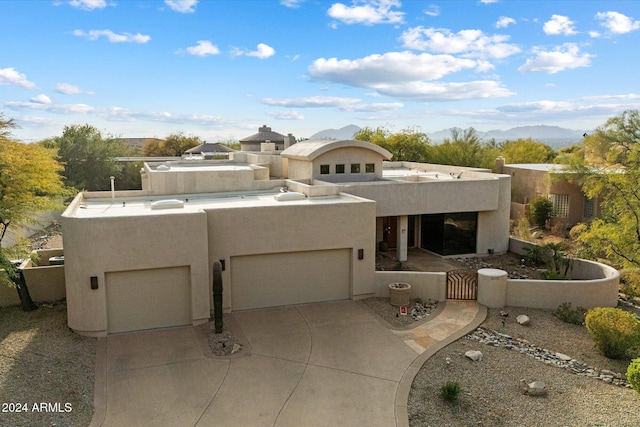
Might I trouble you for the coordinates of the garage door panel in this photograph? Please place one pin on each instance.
(290, 278)
(147, 299)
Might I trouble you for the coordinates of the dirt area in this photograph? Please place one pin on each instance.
(490, 390)
(46, 370)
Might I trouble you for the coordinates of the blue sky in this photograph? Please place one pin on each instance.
(220, 69)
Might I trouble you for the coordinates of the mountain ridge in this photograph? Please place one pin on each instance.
(554, 136)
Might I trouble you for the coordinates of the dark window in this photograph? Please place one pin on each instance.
(370, 168)
(450, 234)
(324, 169)
(339, 168)
(355, 167)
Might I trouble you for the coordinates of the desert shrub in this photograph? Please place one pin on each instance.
(535, 256)
(541, 209)
(568, 314)
(450, 391)
(615, 332)
(577, 231)
(522, 229)
(633, 374)
(630, 282)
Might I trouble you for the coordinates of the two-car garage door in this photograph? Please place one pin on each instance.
(290, 278)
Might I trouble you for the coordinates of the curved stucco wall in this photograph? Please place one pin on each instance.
(602, 291)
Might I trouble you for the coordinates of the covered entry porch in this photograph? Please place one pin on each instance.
(444, 234)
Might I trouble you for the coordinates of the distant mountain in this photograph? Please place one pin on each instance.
(346, 132)
(554, 136)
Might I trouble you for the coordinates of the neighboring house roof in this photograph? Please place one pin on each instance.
(264, 134)
(310, 149)
(209, 147)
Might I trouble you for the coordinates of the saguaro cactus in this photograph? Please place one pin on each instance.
(217, 296)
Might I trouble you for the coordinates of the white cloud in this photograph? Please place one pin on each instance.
(564, 57)
(286, 115)
(311, 102)
(291, 3)
(52, 108)
(473, 43)
(432, 10)
(488, 1)
(262, 51)
(628, 96)
(370, 12)
(88, 4)
(440, 91)
(559, 24)
(112, 37)
(594, 34)
(617, 23)
(9, 76)
(202, 48)
(182, 6)
(342, 104)
(504, 22)
(69, 89)
(41, 99)
(394, 67)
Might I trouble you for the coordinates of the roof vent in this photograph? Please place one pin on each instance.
(289, 195)
(167, 204)
(163, 168)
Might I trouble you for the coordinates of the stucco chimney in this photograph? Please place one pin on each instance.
(500, 161)
(289, 140)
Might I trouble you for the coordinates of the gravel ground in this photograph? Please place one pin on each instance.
(43, 362)
(490, 391)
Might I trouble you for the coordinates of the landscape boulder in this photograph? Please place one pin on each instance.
(523, 320)
(474, 355)
(535, 388)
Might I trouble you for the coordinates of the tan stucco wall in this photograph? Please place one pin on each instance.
(493, 226)
(346, 156)
(95, 246)
(186, 181)
(424, 285)
(300, 169)
(292, 227)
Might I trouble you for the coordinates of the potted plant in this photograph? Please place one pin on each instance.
(399, 293)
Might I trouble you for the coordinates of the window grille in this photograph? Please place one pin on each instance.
(588, 207)
(560, 205)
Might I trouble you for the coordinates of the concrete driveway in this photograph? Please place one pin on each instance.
(322, 364)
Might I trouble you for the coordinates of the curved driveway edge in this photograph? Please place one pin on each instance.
(402, 394)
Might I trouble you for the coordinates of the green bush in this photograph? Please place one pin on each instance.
(633, 374)
(450, 391)
(541, 209)
(568, 314)
(615, 332)
(630, 282)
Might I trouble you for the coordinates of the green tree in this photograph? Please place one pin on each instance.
(526, 151)
(89, 158)
(30, 182)
(175, 144)
(610, 170)
(407, 145)
(465, 148)
(541, 210)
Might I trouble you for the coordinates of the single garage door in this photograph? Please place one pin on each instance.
(148, 299)
(290, 278)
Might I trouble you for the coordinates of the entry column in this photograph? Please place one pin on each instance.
(402, 237)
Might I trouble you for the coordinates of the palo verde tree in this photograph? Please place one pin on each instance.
(89, 158)
(175, 144)
(30, 182)
(465, 148)
(407, 145)
(526, 151)
(610, 170)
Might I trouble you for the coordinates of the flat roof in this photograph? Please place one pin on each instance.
(544, 167)
(197, 167)
(141, 206)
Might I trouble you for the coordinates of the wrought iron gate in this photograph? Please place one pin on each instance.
(462, 284)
